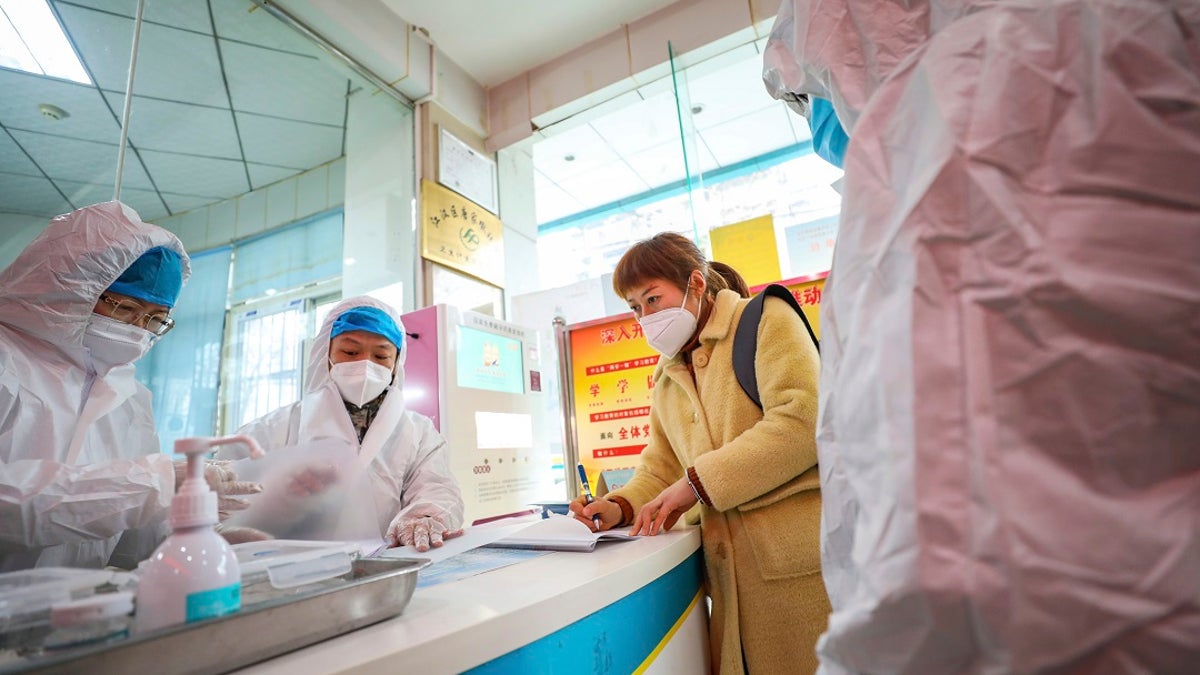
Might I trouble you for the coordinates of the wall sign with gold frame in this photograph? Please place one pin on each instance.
(460, 234)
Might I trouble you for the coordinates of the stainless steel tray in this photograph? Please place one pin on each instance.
(273, 622)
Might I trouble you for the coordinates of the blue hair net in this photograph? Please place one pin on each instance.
(829, 139)
(370, 319)
(157, 277)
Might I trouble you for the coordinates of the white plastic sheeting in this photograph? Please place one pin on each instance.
(1009, 433)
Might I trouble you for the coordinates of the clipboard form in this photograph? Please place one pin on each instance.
(560, 533)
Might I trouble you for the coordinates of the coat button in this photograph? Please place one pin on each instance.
(695, 418)
(701, 360)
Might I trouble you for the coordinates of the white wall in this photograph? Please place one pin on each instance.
(379, 234)
(16, 231)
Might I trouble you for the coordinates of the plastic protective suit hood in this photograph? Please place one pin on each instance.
(404, 457)
(80, 459)
(1009, 425)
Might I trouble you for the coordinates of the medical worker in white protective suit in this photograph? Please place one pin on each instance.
(1009, 424)
(353, 393)
(79, 460)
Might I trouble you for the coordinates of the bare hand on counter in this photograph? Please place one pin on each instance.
(610, 513)
(660, 513)
(221, 477)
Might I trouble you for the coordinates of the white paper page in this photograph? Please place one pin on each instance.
(472, 537)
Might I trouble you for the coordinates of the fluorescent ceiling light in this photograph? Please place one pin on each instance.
(32, 40)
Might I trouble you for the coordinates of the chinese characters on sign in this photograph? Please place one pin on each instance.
(807, 292)
(612, 370)
(460, 234)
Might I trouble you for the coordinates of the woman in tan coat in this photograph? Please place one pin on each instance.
(754, 472)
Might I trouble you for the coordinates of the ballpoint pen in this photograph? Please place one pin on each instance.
(587, 494)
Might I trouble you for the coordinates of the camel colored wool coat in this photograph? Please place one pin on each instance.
(761, 536)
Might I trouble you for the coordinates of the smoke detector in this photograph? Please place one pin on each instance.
(52, 111)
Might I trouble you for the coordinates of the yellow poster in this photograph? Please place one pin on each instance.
(611, 374)
(748, 247)
(807, 291)
(460, 234)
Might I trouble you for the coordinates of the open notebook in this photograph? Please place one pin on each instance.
(559, 533)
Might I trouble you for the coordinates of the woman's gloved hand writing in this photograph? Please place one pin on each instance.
(223, 480)
(420, 532)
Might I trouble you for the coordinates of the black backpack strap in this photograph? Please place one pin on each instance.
(745, 339)
(745, 348)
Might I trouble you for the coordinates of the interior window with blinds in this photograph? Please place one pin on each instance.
(282, 285)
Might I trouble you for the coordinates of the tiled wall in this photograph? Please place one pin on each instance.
(278, 204)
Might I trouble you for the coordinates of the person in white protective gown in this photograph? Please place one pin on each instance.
(79, 459)
(353, 394)
(1009, 425)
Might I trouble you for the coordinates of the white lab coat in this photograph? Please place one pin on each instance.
(1009, 424)
(404, 456)
(79, 459)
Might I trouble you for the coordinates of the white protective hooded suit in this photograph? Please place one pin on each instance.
(404, 455)
(1009, 426)
(79, 459)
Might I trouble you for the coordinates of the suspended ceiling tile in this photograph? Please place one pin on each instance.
(188, 174)
(179, 203)
(244, 21)
(168, 126)
(189, 14)
(262, 175)
(172, 64)
(81, 161)
(552, 202)
(799, 126)
(267, 140)
(663, 164)
(285, 85)
(88, 117)
(145, 202)
(749, 136)
(13, 159)
(586, 149)
(730, 92)
(641, 126)
(31, 195)
(604, 184)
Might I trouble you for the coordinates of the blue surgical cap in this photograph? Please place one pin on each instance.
(157, 277)
(829, 138)
(370, 319)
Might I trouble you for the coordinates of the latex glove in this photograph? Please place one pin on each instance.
(312, 480)
(241, 535)
(221, 479)
(420, 532)
(660, 513)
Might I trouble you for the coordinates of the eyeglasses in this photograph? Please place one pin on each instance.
(158, 323)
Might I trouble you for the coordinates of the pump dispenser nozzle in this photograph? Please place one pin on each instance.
(195, 504)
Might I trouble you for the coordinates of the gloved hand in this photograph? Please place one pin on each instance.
(221, 478)
(241, 535)
(420, 532)
(312, 480)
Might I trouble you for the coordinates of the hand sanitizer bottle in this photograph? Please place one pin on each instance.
(194, 574)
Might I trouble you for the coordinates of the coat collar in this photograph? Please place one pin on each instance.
(720, 322)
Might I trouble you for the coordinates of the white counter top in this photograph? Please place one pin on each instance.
(459, 625)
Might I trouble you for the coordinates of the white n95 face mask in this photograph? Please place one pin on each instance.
(113, 343)
(360, 381)
(669, 330)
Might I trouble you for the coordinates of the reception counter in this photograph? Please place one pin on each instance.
(625, 607)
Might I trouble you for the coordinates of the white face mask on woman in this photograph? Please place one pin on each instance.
(669, 330)
(360, 381)
(113, 343)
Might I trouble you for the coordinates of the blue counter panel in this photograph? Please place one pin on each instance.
(617, 639)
